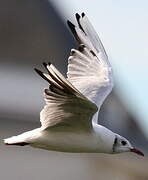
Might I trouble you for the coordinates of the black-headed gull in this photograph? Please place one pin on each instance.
(69, 118)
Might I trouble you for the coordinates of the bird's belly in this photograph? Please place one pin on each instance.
(67, 142)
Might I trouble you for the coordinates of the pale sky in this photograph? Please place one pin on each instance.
(123, 29)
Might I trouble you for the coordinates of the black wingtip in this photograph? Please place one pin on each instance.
(78, 20)
(49, 63)
(38, 71)
(77, 16)
(71, 26)
(81, 47)
(72, 52)
(44, 64)
(92, 52)
(83, 14)
(41, 74)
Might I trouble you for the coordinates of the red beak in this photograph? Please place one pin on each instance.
(137, 151)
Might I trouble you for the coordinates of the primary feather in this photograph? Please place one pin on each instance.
(88, 67)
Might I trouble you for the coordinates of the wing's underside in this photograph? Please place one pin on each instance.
(88, 67)
(89, 80)
(64, 103)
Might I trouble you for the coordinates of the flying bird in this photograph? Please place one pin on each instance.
(69, 120)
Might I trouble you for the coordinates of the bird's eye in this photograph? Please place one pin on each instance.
(123, 143)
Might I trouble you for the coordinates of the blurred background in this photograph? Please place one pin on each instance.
(35, 31)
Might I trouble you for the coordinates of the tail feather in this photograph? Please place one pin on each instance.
(15, 140)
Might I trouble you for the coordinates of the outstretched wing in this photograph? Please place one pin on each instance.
(64, 103)
(88, 67)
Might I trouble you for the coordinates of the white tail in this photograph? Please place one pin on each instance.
(15, 140)
(22, 139)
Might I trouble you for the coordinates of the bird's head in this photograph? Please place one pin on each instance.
(121, 144)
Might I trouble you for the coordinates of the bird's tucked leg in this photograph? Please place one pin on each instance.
(18, 144)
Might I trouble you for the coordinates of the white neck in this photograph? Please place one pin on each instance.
(105, 137)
